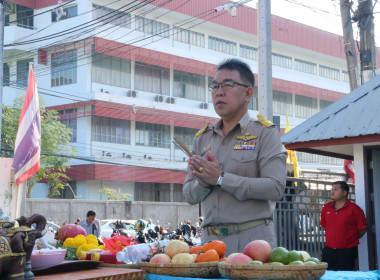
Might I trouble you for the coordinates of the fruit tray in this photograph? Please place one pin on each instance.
(255, 271)
(193, 270)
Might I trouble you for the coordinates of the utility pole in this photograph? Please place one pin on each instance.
(349, 44)
(2, 23)
(367, 41)
(265, 59)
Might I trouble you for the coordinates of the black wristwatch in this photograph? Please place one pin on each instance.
(220, 179)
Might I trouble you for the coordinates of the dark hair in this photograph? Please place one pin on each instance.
(343, 185)
(91, 213)
(240, 66)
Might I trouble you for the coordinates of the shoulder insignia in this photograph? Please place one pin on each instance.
(200, 132)
(264, 121)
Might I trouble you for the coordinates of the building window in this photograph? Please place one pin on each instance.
(25, 17)
(282, 102)
(305, 107)
(248, 52)
(68, 192)
(152, 135)
(221, 45)
(111, 70)
(151, 78)
(64, 68)
(110, 130)
(6, 74)
(188, 85)
(281, 60)
(68, 117)
(328, 72)
(323, 104)
(186, 134)
(345, 77)
(177, 193)
(7, 20)
(189, 37)
(69, 12)
(111, 16)
(158, 192)
(305, 66)
(22, 72)
(152, 27)
(254, 102)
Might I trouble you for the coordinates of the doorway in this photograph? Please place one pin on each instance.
(373, 207)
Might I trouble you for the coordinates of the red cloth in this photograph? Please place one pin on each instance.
(342, 226)
(348, 167)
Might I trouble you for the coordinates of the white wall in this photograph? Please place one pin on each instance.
(360, 201)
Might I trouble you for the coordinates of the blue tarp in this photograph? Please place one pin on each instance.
(329, 275)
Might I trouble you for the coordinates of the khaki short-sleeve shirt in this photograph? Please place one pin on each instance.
(253, 161)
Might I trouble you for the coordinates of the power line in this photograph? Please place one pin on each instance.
(143, 37)
(48, 11)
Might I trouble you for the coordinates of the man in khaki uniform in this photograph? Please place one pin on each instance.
(238, 170)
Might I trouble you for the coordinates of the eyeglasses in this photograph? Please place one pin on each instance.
(226, 85)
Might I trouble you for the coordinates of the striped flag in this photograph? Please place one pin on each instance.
(26, 160)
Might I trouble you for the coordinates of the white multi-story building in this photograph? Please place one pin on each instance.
(127, 76)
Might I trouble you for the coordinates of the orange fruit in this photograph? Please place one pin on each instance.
(195, 249)
(223, 259)
(208, 256)
(217, 245)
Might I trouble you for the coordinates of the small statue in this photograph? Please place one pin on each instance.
(16, 245)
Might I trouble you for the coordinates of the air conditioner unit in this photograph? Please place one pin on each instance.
(159, 98)
(126, 156)
(204, 105)
(132, 93)
(107, 154)
(170, 100)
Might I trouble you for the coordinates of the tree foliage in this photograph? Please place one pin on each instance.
(113, 194)
(55, 141)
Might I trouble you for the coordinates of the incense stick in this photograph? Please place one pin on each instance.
(181, 145)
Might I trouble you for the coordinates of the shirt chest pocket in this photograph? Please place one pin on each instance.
(244, 163)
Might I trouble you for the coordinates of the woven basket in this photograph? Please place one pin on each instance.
(193, 270)
(254, 271)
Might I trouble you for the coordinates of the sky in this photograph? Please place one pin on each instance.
(322, 14)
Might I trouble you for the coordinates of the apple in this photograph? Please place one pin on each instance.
(238, 258)
(160, 258)
(183, 258)
(258, 250)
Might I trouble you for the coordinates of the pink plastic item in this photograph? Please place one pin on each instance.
(42, 259)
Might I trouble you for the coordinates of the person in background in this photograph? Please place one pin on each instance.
(238, 168)
(344, 223)
(91, 224)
